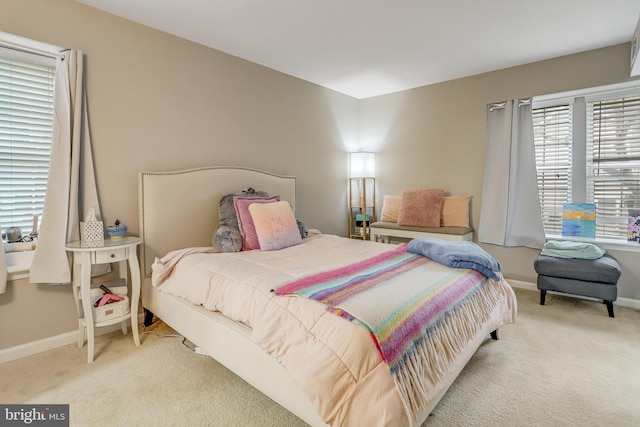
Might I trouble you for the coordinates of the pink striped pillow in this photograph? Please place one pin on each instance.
(245, 221)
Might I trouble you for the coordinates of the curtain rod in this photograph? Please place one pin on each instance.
(21, 48)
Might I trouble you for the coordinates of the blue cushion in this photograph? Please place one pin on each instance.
(603, 291)
(604, 270)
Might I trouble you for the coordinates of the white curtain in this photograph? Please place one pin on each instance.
(71, 187)
(3, 270)
(510, 214)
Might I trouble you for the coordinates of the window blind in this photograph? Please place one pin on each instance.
(552, 142)
(613, 162)
(26, 120)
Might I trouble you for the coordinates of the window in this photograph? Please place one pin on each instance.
(26, 120)
(552, 142)
(588, 151)
(613, 161)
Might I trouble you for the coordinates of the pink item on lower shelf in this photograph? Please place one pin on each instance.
(109, 298)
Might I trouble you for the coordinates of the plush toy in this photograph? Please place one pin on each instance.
(227, 237)
(304, 233)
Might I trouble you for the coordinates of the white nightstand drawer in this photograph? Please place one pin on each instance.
(114, 255)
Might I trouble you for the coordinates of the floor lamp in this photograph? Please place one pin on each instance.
(362, 194)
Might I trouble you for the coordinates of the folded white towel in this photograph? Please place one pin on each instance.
(571, 249)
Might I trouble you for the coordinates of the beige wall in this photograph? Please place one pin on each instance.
(435, 136)
(157, 102)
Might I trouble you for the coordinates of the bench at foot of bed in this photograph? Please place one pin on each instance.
(386, 230)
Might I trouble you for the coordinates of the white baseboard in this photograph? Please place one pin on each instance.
(35, 347)
(622, 302)
(71, 337)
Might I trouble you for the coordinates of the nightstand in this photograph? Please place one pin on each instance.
(86, 254)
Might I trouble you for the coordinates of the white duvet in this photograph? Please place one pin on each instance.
(333, 360)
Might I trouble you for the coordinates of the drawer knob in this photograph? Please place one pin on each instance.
(113, 255)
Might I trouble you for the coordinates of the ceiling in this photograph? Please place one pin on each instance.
(365, 48)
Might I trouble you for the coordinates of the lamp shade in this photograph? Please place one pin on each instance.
(363, 165)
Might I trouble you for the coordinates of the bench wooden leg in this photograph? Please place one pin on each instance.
(609, 307)
(543, 294)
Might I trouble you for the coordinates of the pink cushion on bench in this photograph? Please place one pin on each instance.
(421, 207)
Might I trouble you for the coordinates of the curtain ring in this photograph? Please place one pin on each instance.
(498, 106)
(522, 102)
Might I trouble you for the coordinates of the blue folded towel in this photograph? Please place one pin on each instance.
(458, 254)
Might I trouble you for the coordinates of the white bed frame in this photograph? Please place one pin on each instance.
(179, 209)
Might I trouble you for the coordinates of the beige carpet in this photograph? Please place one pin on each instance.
(562, 364)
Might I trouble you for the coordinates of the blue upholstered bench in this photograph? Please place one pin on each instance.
(594, 278)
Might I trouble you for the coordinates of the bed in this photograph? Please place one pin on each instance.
(178, 213)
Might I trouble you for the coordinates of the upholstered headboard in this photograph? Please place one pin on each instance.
(179, 209)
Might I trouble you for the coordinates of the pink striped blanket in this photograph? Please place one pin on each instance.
(418, 326)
